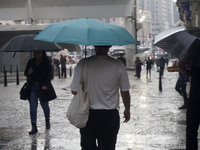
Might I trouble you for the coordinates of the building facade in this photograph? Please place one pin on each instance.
(144, 29)
(162, 13)
(189, 12)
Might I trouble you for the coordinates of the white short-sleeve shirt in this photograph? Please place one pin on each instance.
(106, 76)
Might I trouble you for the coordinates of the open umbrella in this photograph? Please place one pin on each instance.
(25, 43)
(63, 52)
(182, 42)
(86, 31)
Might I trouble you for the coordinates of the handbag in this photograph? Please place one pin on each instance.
(25, 91)
(78, 110)
(172, 69)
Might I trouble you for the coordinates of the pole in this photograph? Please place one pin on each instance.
(160, 81)
(5, 76)
(11, 69)
(17, 75)
(30, 19)
(135, 22)
(70, 71)
(58, 72)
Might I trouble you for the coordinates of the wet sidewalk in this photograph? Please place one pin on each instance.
(156, 122)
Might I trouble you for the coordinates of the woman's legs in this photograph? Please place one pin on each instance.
(35, 94)
(45, 107)
(46, 110)
(33, 101)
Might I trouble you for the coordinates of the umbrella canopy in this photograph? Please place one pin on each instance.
(86, 31)
(141, 57)
(63, 52)
(182, 42)
(25, 43)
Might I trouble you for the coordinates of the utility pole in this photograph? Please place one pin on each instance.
(30, 18)
(135, 22)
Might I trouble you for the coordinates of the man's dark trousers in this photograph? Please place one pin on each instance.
(102, 128)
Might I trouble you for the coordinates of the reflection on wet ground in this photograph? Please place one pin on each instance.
(156, 122)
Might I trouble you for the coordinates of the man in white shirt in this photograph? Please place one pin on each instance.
(105, 76)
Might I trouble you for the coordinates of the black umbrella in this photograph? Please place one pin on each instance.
(182, 42)
(26, 43)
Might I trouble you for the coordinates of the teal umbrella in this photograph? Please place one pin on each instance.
(86, 31)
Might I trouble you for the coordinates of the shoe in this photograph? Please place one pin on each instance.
(34, 129)
(183, 107)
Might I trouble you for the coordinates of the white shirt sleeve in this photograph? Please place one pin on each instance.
(76, 79)
(124, 80)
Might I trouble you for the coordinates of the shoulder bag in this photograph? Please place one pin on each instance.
(78, 110)
(25, 91)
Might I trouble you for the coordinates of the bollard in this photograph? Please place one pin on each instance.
(58, 72)
(11, 69)
(5, 77)
(65, 73)
(70, 71)
(17, 76)
(160, 81)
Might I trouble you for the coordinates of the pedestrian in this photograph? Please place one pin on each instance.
(148, 66)
(167, 61)
(122, 59)
(63, 66)
(38, 73)
(56, 63)
(182, 83)
(162, 65)
(193, 110)
(138, 67)
(52, 66)
(106, 76)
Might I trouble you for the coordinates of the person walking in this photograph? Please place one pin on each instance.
(38, 73)
(148, 67)
(138, 67)
(162, 65)
(182, 83)
(63, 66)
(106, 76)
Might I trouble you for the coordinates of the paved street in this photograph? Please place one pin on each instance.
(156, 122)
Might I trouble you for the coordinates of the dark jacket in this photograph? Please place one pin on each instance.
(195, 85)
(42, 75)
(149, 63)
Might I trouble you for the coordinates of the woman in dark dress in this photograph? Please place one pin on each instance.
(38, 72)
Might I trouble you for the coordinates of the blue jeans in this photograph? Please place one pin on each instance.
(181, 89)
(35, 94)
(101, 130)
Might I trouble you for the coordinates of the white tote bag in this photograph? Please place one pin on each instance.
(78, 110)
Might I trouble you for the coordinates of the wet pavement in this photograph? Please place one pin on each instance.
(156, 122)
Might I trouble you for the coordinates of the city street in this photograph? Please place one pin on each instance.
(156, 122)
